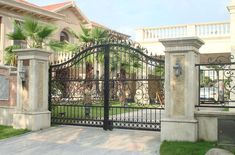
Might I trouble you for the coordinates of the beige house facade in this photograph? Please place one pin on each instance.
(218, 36)
(65, 16)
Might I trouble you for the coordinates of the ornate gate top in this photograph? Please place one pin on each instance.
(93, 47)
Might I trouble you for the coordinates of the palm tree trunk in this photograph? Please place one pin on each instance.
(88, 83)
(89, 74)
(122, 96)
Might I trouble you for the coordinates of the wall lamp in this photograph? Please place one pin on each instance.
(22, 74)
(177, 69)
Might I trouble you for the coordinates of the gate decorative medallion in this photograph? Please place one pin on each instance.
(111, 84)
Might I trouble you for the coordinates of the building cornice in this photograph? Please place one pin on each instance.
(33, 10)
(73, 5)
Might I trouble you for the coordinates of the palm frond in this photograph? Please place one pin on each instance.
(85, 31)
(99, 34)
(56, 46)
(10, 56)
(84, 36)
(45, 31)
(31, 26)
(10, 49)
(17, 34)
(59, 46)
(71, 47)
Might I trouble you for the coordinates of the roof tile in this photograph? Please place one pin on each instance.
(53, 7)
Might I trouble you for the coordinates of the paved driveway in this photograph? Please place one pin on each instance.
(73, 140)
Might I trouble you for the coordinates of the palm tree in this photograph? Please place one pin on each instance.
(124, 64)
(32, 33)
(91, 35)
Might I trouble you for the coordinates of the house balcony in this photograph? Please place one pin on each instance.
(202, 30)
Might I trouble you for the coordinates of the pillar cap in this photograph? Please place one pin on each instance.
(32, 53)
(182, 44)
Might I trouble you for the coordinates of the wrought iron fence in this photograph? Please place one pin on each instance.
(217, 83)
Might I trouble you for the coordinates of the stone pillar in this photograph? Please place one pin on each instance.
(181, 92)
(32, 95)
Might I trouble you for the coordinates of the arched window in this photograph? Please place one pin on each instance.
(64, 36)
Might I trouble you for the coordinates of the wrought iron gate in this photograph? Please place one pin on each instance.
(112, 84)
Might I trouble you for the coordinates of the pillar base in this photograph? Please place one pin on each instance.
(179, 130)
(6, 115)
(232, 104)
(33, 121)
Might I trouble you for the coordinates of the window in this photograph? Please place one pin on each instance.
(64, 36)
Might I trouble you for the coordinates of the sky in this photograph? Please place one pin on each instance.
(127, 15)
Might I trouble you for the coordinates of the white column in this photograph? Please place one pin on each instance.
(231, 9)
(32, 95)
(191, 30)
(139, 35)
(181, 93)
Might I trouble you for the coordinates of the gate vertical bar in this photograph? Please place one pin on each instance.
(49, 87)
(199, 85)
(106, 87)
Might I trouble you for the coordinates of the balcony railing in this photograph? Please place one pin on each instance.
(165, 32)
(200, 29)
(214, 29)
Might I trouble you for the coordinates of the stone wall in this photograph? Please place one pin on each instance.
(208, 123)
(8, 79)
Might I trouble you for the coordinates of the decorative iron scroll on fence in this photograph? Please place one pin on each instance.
(217, 82)
(110, 84)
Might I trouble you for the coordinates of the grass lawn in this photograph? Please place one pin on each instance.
(186, 148)
(97, 110)
(79, 111)
(8, 131)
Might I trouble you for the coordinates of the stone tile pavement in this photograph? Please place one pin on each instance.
(74, 140)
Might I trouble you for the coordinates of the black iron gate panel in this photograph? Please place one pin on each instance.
(216, 82)
(114, 84)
